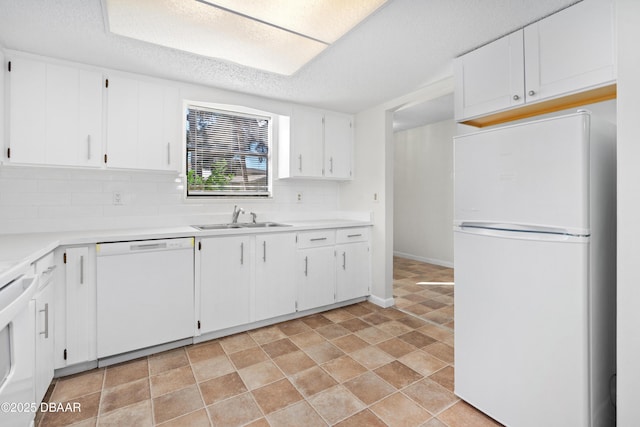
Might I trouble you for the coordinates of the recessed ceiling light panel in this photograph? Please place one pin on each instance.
(279, 36)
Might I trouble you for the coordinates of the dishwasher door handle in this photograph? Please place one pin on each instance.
(148, 246)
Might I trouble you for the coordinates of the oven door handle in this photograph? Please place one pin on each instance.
(21, 290)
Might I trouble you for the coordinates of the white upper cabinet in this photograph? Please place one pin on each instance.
(568, 57)
(315, 144)
(142, 125)
(338, 143)
(490, 78)
(55, 114)
(571, 50)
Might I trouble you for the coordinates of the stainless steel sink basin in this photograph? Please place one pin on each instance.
(264, 224)
(206, 227)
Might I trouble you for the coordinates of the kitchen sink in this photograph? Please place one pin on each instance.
(206, 227)
(264, 224)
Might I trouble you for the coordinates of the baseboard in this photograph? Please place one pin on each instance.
(434, 261)
(381, 302)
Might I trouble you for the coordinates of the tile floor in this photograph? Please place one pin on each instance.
(359, 365)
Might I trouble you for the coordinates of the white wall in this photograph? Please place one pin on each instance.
(423, 193)
(56, 199)
(628, 337)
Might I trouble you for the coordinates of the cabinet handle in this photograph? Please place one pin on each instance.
(532, 92)
(300, 162)
(354, 235)
(46, 321)
(317, 239)
(344, 260)
(88, 147)
(331, 164)
(516, 97)
(82, 270)
(306, 266)
(242, 253)
(168, 153)
(264, 251)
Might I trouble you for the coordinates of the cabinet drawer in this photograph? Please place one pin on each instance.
(312, 239)
(349, 235)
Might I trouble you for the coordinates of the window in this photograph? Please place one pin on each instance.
(227, 153)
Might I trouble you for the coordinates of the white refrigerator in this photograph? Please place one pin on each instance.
(535, 284)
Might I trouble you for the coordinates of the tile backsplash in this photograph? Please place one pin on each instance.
(41, 199)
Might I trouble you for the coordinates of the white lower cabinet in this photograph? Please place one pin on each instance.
(316, 277)
(44, 341)
(223, 270)
(75, 341)
(275, 285)
(353, 266)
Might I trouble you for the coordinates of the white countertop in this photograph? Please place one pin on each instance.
(18, 251)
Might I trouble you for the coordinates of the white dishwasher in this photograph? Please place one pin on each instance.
(145, 294)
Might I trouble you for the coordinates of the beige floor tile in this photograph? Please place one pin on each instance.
(396, 347)
(124, 395)
(237, 411)
(260, 422)
(324, 352)
(369, 388)
(172, 380)
(260, 374)
(204, 351)
(297, 415)
(439, 333)
(338, 315)
(422, 362)
(358, 310)
(78, 385)
(430, 395)
(343, 368)
(294, 362)
(248, 357)
(395, 328)
(417, 339)
(444, 377)
(354, 324)
(375, 318)
(350, 343)
(306, 340)
(312, 381)
(373, 335)
(276, 396)
(279, 347)
(371, 357)
(398, 410)
(126, 372)
(221, 388)
(441, 351)
(237, 342)
(89, 404)
(212, 368)
(335, 404)
(138, 415)
(177, 404)
(199, 418)
(293, 327)
(316, 320)
(398, 374)
(462, 415)
(332, 331)
(267, 334)
(167, 360)
(362, 419)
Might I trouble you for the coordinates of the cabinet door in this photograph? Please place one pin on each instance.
(122, 123)
(225, 282)
(44, 340)
(80, 307)
(27, 111)
(73, 116)
(275, 289)
(338, 145)
(352, 271)
(571, 50)
(316, 277)
(490, 78)
(306, 143)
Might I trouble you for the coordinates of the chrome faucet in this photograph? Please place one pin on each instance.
(236, 212)
(253, 217)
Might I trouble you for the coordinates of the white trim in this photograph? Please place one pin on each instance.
(384, 303)
(423, 259)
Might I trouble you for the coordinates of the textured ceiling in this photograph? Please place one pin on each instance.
(401, 47)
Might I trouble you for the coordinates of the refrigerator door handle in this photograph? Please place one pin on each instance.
(528, 234)
(521, 227)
